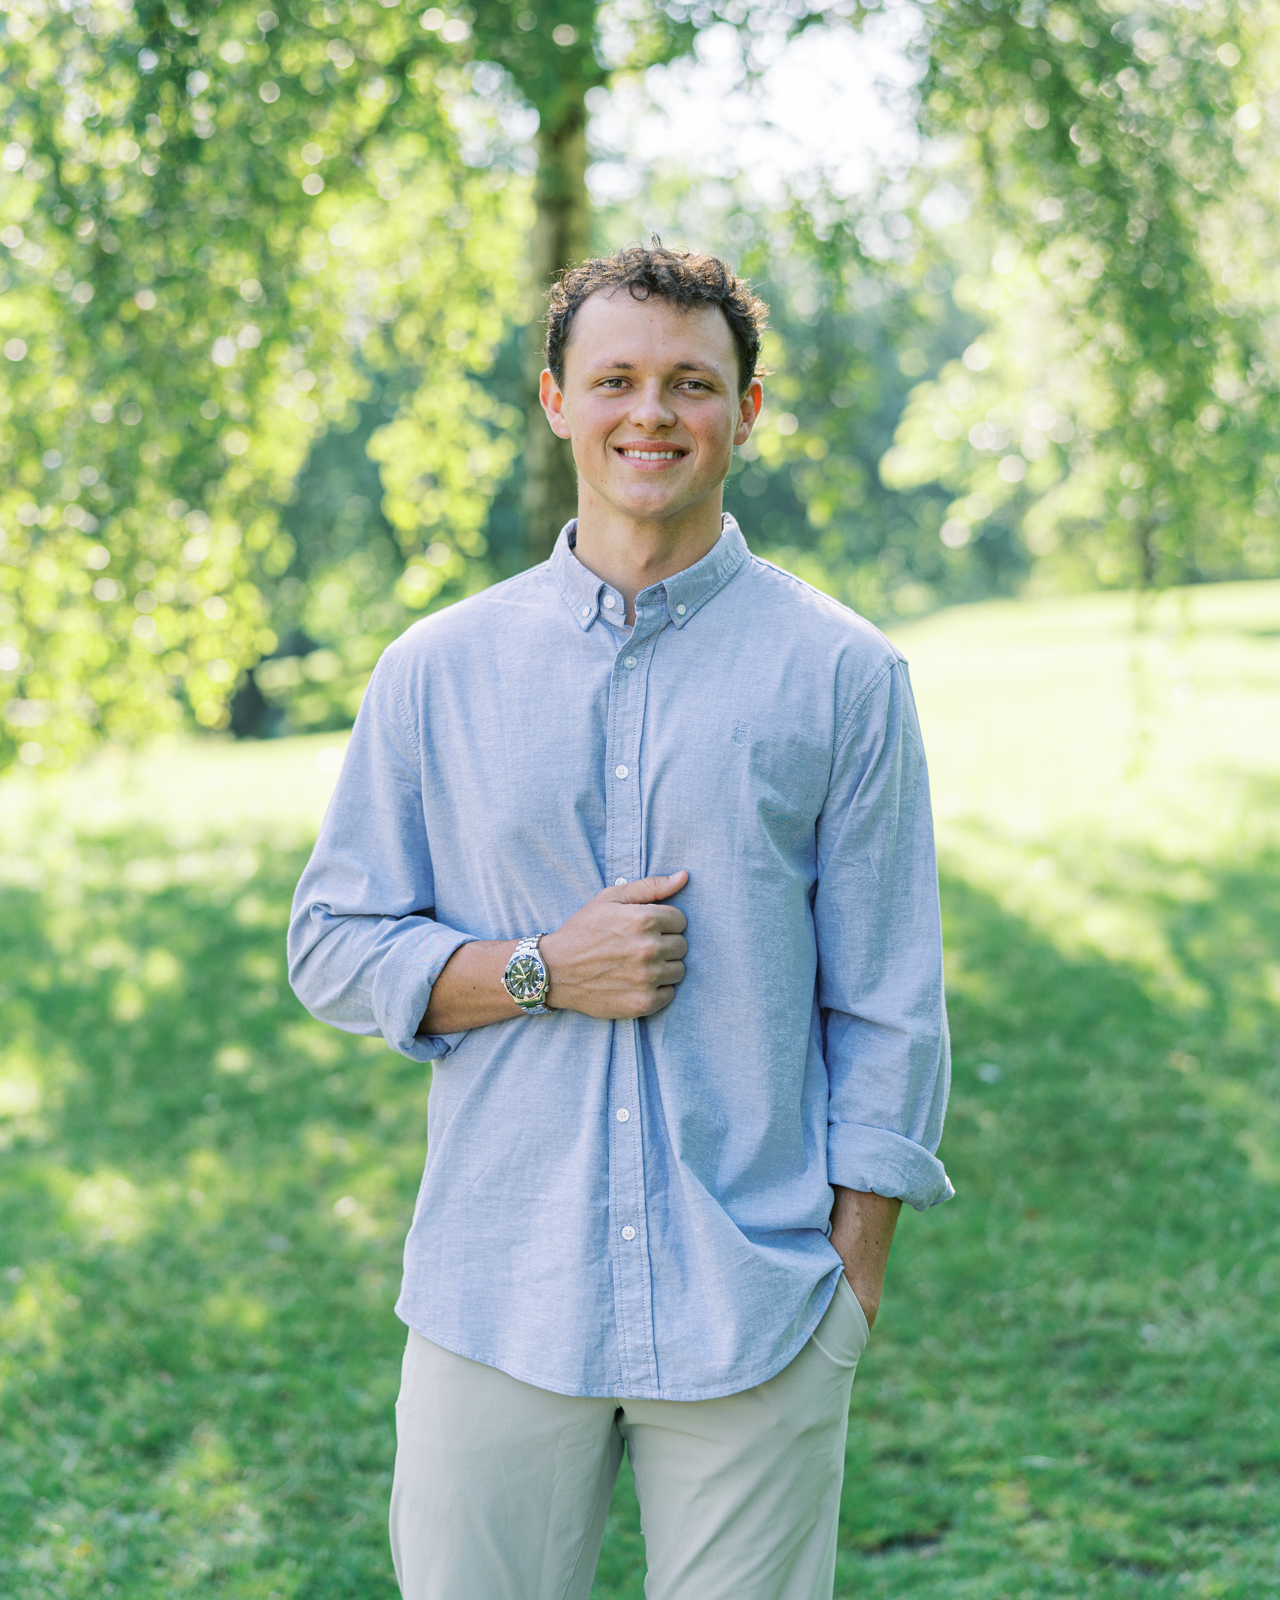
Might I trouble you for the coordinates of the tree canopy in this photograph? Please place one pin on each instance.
(234, 237)
(209, 251)
(1120, 405)
(1049, 349)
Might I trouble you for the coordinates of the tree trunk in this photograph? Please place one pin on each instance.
(559, 237)
(1147, 557)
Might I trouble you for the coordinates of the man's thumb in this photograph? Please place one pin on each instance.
(644, 891)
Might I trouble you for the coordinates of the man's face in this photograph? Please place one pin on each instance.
(650, 400)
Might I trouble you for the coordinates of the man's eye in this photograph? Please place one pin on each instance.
(613, 383)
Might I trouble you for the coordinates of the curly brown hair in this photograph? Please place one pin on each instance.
(682, 277)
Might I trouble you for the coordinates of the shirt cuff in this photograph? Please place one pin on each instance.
(402, 989)
(880, 1162)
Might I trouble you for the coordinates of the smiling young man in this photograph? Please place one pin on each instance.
(637, 848)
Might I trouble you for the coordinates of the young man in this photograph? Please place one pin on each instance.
(636, 847)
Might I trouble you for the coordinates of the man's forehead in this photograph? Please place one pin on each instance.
(613, 328)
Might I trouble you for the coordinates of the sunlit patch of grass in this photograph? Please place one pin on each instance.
(197, 1351)
(1074, 1384)
(1073, 1387)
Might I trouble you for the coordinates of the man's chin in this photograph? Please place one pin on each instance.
(655, 502)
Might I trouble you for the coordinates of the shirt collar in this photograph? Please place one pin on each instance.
(684, 594)
(580, 589)
(688, 591)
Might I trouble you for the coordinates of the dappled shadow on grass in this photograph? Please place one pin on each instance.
(1074, 1381)
(202, 1208)
(204, 1196)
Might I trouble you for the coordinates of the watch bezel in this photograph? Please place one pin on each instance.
(526, 960)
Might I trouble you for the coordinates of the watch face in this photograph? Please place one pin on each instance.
(526, 978)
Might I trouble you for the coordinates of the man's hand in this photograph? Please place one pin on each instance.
(862, 1227)
(622, 954)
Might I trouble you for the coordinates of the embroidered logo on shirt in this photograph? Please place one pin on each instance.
(742, 733)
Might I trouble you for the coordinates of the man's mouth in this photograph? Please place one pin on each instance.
(647, 453)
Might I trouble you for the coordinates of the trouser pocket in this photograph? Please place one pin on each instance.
(843, 1332)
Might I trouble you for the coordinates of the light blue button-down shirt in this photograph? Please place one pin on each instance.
(641, 1209)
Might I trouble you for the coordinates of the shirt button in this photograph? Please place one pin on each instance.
(624, 1115)
(680, 610)
(586, 611)
(620, 772)
(618, 882)
(629, 663)
(608, 601)
(628, 1233)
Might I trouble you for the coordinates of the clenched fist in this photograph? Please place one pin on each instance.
(622, 954)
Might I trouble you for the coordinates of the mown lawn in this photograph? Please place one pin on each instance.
(1073, 1388)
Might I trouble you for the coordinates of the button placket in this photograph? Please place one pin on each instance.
(624, 861)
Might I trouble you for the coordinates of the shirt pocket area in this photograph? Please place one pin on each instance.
(785, 777)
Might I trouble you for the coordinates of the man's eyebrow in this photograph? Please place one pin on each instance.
(677, 366)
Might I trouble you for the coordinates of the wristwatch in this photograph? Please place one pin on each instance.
(525, 978)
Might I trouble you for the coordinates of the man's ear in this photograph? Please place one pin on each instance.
(552, 399)
(749, 411)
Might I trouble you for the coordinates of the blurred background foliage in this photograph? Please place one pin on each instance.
(271, 296)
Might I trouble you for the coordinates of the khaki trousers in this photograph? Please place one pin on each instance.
(501, 1489)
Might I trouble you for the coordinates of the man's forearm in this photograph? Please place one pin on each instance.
(621, 955)
(862, 1227)
(469, 993)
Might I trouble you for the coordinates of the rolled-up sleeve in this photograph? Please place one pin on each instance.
(364, 946)
(880, 985)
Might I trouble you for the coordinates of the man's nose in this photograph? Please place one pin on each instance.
(650, 409)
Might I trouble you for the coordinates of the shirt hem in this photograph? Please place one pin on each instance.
(720, 1391)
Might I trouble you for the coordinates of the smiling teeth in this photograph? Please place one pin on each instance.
(653, 455)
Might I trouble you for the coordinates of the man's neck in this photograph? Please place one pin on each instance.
(630, 554)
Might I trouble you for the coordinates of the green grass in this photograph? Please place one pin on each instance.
(1074, 1386)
